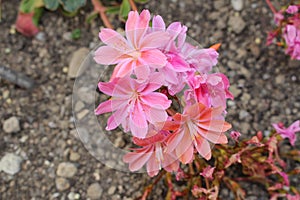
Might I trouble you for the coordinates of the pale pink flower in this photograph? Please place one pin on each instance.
(210, 90)
(139, 54)
(202, 60)
(292, 39)
(152, 153)
(194, 129)
(134, 104)
(288, 132)
(292, 9)
(208, 172)
(293, 197)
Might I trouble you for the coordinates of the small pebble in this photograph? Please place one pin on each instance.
(11, 125)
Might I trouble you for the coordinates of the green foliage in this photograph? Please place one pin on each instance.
(51, 4)
(76, 34)
(72, 5)
(141, 1)
(124, 9)
(28, 6)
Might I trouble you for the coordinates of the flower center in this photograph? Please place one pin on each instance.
(135, 54)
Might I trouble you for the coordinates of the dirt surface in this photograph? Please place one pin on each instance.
(54, 164)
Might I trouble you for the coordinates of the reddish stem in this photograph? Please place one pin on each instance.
(101, 10)
(132, 5)
(150, 187)
(271, 6)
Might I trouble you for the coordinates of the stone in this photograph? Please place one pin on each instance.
(78, 106)
(94, 191)
(11, 125)
(74, 156)
(76, 60)
(218, 4)
(243, 114)
(111, 190)
(237, 24)
(237, 4)
(235, 91)
(62, 184)
(82, 114)
(66, 169)
(73, 196)
(10, 163)
(280, 79)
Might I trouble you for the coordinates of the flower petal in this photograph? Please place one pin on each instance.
(114, 40)
(106, 55)
(138, 158)
(203, 147)
(153, 58)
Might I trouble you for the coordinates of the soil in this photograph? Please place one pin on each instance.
(264, 81)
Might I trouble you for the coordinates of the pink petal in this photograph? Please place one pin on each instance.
(137, 159)
(114, 40)
(153, 166)
(185, 149)
(123, 68)
(154, 40)
(116, 118)
(153, 58)
(136, 26)
(138, 123)
(203, 147)
(142, 72)
(158, 23)
(156, 100)
(174, 141)
(156, 115)
(106, 55)
(104, 107)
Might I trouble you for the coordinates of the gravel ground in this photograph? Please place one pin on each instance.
(41, 155)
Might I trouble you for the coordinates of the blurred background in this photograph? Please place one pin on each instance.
(41, 156)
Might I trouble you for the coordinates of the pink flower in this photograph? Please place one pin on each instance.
(292, 9)
(202, 60)
(288, 132)
(176, 67)
(210, 90)
(235, 135)
(153, 153)
(193, 129)
(139, 54)
(134, 104)
(208, 172)
(292, 39)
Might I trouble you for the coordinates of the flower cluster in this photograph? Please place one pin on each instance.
(287, 21)
(162, 90)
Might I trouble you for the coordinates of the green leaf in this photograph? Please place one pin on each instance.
(124, 9)
(37, 15)
(91, 17)
(76, 34)
(51, 4)
(141, 1)
(72, 5)
(28, 6)
(112, 9)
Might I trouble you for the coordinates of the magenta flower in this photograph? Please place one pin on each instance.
(139, 54)
(210, 90)
(134, 104)
(235, 135)
(292, 39)
(153, 154)
(193, 129)
(288, 132)
(292, 9)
